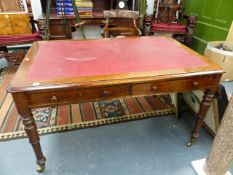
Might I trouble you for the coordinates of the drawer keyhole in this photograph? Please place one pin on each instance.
(53, 99)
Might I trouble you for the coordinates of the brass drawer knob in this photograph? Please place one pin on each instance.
(154, 88)
(80, 94)
(54, 99)
(195, 83)
(106, 93)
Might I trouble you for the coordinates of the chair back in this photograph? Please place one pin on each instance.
(169, 11)
(121, 14)
(121, 23)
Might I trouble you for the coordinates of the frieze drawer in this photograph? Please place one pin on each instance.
(172, 86)
(75, 96)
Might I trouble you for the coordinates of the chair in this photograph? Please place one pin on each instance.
(121, 23)
(15, 57)
(169, 19)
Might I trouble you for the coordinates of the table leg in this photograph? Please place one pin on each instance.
(30, 128)
(204, 106)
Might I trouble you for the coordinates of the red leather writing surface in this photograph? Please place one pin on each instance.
(109, 56)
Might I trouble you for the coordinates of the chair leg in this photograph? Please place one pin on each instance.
(105, 29)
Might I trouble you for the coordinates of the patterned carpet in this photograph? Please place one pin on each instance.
(3, 72)
(75, 116)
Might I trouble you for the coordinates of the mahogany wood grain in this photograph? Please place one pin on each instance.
(75, 96)
(30, 94)
(29, 127)
(170, 86)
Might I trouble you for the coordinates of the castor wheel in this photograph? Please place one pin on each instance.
(40, 168)
(191, 142)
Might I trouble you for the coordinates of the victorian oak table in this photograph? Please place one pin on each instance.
(69, 71)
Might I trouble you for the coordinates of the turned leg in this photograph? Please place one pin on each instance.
(204, 106)
(30, 128)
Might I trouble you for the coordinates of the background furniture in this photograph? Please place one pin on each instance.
(63, 9)
(124, 23)
(98, 5)
(168, 18)
(15, 57)
(14, 24)
(13, 5)
(57, 30)
(16, 27)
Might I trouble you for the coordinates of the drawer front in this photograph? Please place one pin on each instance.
(75, 96)
(181, 85)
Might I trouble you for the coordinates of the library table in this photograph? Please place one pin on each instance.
(71, 71)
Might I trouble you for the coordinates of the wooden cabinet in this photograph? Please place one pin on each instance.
(5, 26)
(11, 5)
(13, 24)
(14, 17)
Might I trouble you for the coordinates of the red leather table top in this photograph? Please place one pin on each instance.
(70, 58)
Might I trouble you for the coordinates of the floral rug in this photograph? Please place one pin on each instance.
(76, 116)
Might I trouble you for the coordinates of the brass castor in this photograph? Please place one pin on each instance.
(40, 168)
(191, 142)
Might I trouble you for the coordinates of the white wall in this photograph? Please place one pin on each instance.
(150, 7)
(36, 8)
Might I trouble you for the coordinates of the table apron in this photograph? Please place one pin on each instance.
(180, 85)
(64, 96)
